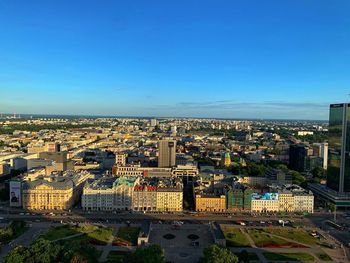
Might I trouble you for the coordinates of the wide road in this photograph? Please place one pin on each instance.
(141, 216)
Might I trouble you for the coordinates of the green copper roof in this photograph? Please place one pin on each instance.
(123, 180)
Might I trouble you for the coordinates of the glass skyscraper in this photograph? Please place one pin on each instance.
(338, 172)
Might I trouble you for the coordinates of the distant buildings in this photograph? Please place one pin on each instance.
(271, 177)
(167, 153)
(321, 150)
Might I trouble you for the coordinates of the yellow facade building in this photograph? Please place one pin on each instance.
(210, 203)
(55, 192)
(169, 200)
(170, 195)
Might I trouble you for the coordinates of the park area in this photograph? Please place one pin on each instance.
(14, 230)
(127, 236)
(263, 239)
(234, 237)
(297, 235)
(95, 235)
(300, 257)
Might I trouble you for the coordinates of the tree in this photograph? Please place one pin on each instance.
(297, 178)
(151, 254)
(18, 255)
(217, 254)
(318, 172)
(44, 251)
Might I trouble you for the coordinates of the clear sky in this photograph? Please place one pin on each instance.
(229, 59)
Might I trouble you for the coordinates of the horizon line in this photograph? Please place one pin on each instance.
(152, 117)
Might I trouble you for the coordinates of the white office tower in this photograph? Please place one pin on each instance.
(321, 150)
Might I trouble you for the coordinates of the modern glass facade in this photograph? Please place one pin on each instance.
(338, 172)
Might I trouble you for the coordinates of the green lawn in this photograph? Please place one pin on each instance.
(324, 257)
(263, 239)
(302, 257)
(128, 234)
(91, 233)
(234, 237)
(298, 235)
(60, 232)
(102, 234)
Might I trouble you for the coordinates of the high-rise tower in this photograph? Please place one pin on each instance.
(167, 153)
(338, 171)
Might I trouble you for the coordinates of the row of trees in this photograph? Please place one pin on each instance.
(44, 251)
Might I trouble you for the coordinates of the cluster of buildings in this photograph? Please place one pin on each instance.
(140, 164)
(306, 157)
(223, 195)
(133, 193)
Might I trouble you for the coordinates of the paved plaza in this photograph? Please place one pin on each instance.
(177, 243)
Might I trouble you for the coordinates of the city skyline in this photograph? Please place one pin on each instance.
(222, 60)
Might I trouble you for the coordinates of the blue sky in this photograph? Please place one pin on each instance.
(228, 59)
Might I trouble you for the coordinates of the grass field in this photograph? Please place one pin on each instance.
(128, 234)
(301, 257)
(263, 239)
(234, 237)
(61, 232)
(91, 233)
(298, 235)
(324, 257)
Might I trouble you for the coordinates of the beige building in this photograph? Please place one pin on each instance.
(304, 202)
(120, 159)
(109, 193)
(296, 200)
(144, 198)
(55, 192)
(167, 153)
(265, 206)
(286, 202)
(137, 170)
(185, 170)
